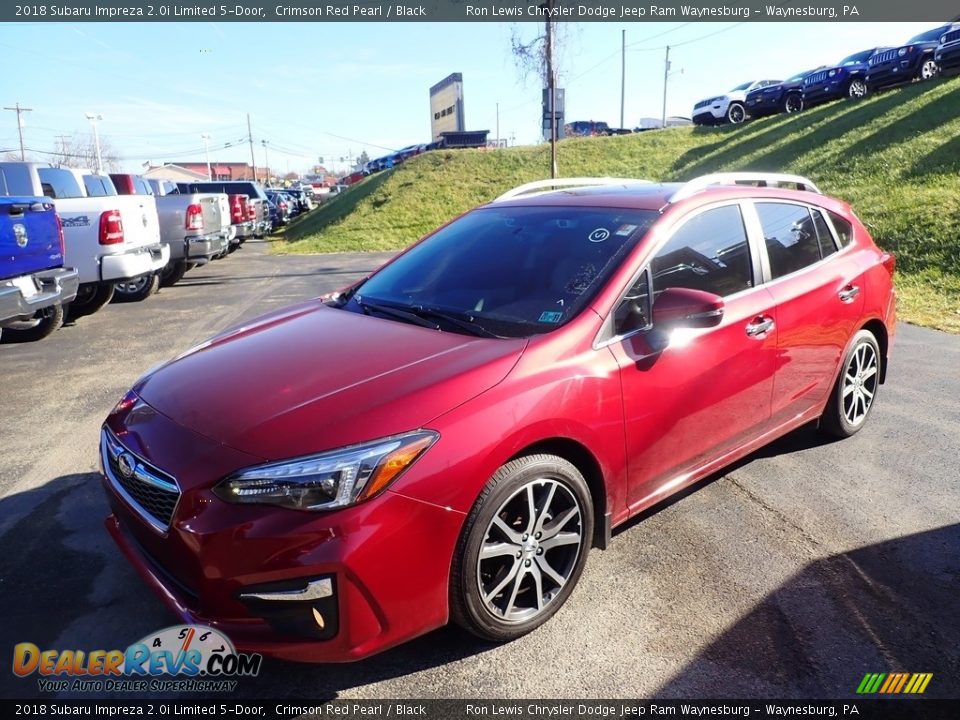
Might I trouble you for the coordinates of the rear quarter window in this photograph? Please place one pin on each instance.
(843, 227)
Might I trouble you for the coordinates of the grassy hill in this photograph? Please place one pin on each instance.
(895, 157)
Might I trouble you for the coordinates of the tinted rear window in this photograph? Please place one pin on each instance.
(59, 183)
(790, 237)
(844, 229)
(98, 186)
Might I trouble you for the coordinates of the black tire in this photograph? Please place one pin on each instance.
(855, 392)
(172, 273)
(90, 298)
(793, 103)
(736, 113)
(232, 249)
(929, 69)
(44, 323)
(509, 575)
(857, 89)
(136, 289)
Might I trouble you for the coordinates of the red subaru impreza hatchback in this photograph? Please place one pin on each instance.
(449, 437)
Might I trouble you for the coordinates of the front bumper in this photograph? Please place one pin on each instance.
(948, 57)
(388, 559)
(893, 72)
(823, 93)
(710, 115)
(22, 297)
(134, 263)
(757, 107)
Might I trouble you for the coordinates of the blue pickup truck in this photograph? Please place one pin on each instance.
(34, 285)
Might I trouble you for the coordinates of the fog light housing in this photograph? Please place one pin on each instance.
(302, 608)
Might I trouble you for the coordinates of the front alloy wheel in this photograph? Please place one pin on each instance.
(928, 69)
(736, 113)
(793, 103)
(523, 548)
(857, 89)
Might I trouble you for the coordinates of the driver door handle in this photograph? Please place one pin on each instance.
(759, 326)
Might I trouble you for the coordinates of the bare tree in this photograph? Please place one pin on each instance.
(80, 151)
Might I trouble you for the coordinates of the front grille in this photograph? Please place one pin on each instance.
(951, 36)
(815, 79)
(883, 57)
(149, 491)
(702, 103)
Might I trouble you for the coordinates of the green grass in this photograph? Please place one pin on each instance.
(894, 157)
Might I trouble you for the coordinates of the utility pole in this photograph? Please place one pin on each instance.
(206, 149)
(94, 119)
(623, 73)
(552, 84)
(666, 75)
(253, 160)
(20, 111)
(498, 125)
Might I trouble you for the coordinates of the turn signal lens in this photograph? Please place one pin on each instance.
(394, 464)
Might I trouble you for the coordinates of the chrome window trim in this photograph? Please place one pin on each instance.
(111, 447)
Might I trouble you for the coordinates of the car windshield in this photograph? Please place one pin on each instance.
(741, 87)
(509, 271)
(929, 35)
(856, 58)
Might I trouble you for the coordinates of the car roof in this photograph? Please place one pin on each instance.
(654, 196)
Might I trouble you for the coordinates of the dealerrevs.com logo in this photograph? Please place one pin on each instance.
(184, 658)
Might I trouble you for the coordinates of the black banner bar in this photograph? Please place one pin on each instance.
(862, 709)
(477, 10)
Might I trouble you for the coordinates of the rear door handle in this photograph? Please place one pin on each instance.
(759, 325)
(848, 293)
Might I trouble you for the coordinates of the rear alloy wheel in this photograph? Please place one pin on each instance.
(856, 389)
(137, 289)
(736, 113)
(43, 323)
(928, 69)
(523, 548)
(90, 298)
(793, 103)
(857, 89)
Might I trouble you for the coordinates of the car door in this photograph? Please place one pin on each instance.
(709, 390)
(819, 299)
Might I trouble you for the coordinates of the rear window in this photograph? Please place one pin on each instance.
(843, 227)
(790, 237)
(59, 183)
(142, 186)
(98, 186)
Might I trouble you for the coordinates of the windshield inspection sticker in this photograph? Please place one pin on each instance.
(598, 235)
(625, 230)
(550, 316)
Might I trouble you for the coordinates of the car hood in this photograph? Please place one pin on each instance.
(312, 378)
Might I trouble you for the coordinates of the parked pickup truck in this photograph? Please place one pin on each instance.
(256, 198)
(108, 238)
(34, 285)
(196, 226)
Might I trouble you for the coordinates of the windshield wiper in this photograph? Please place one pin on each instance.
(369, 307)
(468, 322)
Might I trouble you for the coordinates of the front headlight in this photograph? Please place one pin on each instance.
(328, 480)
(903, 51)
(831, 73)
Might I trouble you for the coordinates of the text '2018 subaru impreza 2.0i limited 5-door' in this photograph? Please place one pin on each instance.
(448, 437)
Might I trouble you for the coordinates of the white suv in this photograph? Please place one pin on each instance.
(730, 107)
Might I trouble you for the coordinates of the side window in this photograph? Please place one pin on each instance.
(58, 183)
(790, 237)
(844, 229)
(824, 236)
(709, 252)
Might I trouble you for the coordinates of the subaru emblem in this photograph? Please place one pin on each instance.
(20, 233)
(127, 465)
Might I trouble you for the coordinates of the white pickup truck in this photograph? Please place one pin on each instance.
(108, 238)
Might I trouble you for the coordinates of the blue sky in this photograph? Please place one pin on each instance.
(316, 89)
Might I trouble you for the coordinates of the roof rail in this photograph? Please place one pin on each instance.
(743, 178)
(544, 185)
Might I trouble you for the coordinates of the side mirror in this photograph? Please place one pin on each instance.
(679, 307)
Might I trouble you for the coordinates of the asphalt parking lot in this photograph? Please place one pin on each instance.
(791, 575)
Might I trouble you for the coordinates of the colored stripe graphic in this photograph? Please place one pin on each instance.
(894, 683)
